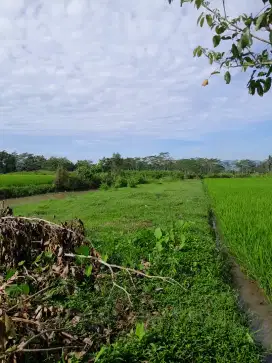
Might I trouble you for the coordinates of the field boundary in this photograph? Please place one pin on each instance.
(252, 300)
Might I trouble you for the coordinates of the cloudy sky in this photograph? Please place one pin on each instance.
(86, 78)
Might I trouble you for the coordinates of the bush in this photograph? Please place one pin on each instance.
(104, 186)
(120, 182)
(25, 191)
(77, 183)
(62, 178)
(132, 182)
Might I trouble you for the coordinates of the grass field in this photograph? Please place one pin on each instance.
(28, 179)
(243, 208)
(195, 321)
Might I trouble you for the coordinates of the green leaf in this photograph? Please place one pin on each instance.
(252, 87)
(202, 22)
(260, 90)
(82, 250)
(99, 354)
(21, 263)
(140, 330)
(227, 77)
(246, 39)
(10, 273)
(267, 84)
(235, 51)
(159, 246)
(216, 40)
(88, 270)
(220, 29)
(215, 72)
(209, 20)
(199, 52)
(24, 288)
(105, 257)
(199, 18)
(182, 241)
(259, 21)
(158, 233)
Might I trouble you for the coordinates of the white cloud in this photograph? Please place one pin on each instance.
(114, 67)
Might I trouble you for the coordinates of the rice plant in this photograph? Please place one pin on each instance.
(243, 208)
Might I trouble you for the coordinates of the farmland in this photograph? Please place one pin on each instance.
(243, 209)
(162, 226)
(25, 179)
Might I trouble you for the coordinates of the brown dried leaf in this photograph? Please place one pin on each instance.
(205, 83)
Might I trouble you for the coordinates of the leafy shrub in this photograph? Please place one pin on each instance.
(62, 178)
(104, 186)
(132, 183)
(77, 183)
(120, 182)
(25, 191)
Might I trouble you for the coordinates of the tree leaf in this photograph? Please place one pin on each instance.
(260, 90)
(199, 18)
(202, 22)
(209, 20)
(245, 41)
(227, 77)
(235, 51)
(252, 87)
(259, 21)
(199, 52)
(205, 83)
(198, 3)
(158, 233)
(216, 40)
(215, 72)
(267, 84)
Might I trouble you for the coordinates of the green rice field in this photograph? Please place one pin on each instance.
(243, 208)
(8, 180)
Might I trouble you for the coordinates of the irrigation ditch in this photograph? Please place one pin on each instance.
(251, 298)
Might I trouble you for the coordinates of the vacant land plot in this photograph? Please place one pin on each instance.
(161, 229)
(8, 180)
(244, 208)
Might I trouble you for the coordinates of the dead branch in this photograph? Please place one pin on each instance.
(127, 269)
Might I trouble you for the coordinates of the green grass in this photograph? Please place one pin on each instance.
(9, 180)
(243, 208)
(196, 321)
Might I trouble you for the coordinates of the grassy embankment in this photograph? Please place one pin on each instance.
(196, 321)
(243, 209)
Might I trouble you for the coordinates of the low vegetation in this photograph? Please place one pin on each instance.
(243, 210)
(187, 313)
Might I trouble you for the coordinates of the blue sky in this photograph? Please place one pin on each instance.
(86, 78)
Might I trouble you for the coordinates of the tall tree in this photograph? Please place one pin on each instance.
(240, 35)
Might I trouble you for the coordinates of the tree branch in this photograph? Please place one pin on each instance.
(234, 25)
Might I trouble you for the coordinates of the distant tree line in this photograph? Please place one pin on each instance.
(14, 162)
